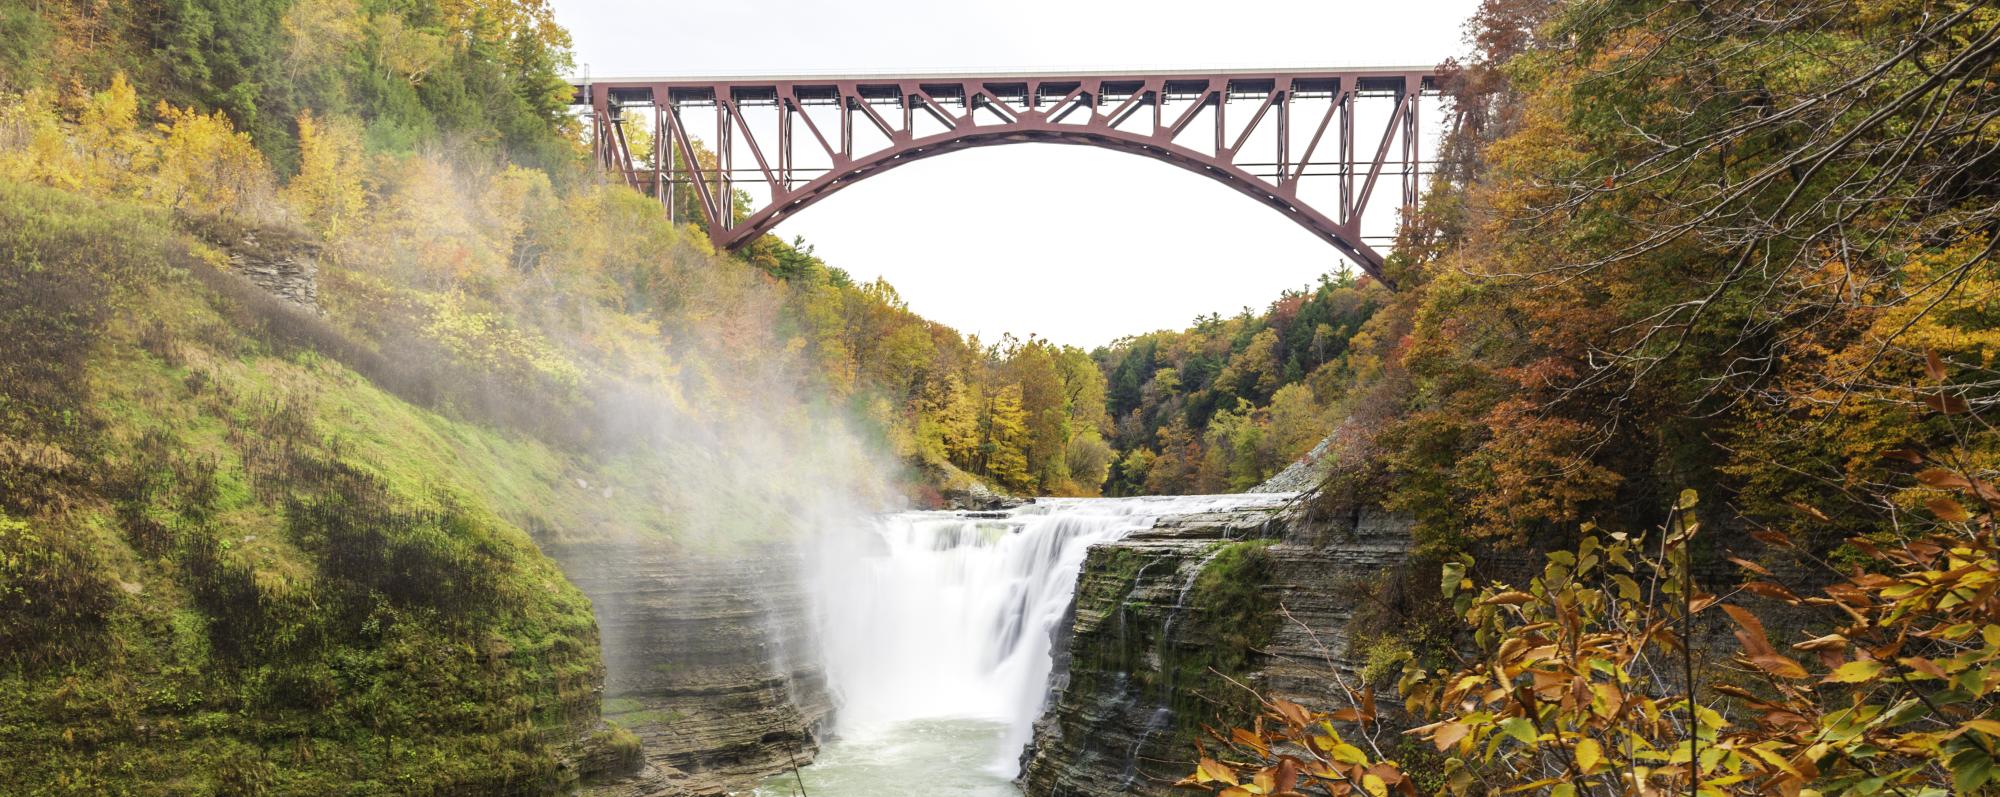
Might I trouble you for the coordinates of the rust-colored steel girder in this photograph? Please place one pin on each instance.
(1158, 115)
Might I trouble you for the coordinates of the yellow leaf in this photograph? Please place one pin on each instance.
(1212, 771)
(1771, 757)
(1344, 753)
(1511, 598)
(1855, 672)
(1588, 754)
(1828, 642)
(1374, 785)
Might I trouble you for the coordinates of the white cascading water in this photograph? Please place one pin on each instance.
(947, 615)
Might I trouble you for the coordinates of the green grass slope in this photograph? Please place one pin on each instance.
(231, 564)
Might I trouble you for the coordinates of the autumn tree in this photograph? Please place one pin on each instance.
(319, 34)
(1741, 245)
(1176, 468)
(1298, 422)
(205, 165)
(330, 190)
(956, 415)
(1004, 440)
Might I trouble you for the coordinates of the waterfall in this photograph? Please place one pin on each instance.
(926, 615)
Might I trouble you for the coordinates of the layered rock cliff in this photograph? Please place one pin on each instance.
(708, 659)
(1175, 626)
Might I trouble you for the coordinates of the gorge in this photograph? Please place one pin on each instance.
(388, 407)
(1064, 647)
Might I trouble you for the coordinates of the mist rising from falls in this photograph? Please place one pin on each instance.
(928, 615)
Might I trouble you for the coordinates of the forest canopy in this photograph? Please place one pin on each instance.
(1698, 321)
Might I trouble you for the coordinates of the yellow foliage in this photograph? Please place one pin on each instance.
(496, 345)
(205, 165)
(103, 152)
(110, 139)
(330, 190)
(320, 32)
(515, 200)
(188, 161)
(33, 144)
(407, 51)
(426, 218)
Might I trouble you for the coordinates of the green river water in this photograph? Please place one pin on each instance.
(919, 758)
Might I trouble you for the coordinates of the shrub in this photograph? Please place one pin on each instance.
(53, 593)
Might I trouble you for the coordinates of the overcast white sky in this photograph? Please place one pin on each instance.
(1076, 244)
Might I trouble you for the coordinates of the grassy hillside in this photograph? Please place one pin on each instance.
(233, 564)
(251, 546)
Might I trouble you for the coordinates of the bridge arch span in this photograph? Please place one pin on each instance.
(1345, 238)
(1151, 115)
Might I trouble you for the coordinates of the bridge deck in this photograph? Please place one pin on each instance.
(1250, 83)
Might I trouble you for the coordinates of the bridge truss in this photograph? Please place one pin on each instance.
(1268, 134)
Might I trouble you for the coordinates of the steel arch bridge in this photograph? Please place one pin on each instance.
(808, 137)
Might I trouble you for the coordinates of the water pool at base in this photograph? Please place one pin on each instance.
(918, 758)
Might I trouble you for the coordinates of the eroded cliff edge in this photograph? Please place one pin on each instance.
(1172, 624)
(708, 660)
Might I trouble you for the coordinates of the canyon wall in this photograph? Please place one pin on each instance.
(709, 660)
(1173, 627)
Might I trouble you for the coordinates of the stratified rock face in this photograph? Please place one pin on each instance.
(1163, 615)
(1303, 473)
(709, 658)
(292, 276)
(280, 261)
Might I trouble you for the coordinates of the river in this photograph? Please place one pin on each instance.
(936, 631)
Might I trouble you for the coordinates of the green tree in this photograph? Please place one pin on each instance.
(1089, 461)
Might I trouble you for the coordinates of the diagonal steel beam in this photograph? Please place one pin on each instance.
(1381, 157)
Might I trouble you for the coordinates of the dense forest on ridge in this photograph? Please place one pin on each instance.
(1700, 315)
(1228, 403)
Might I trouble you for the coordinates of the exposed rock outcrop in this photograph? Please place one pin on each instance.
(1166, 619)
(975, 496)
(603, 755)
(1302, 474)
(709, 660)
(281, 261)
